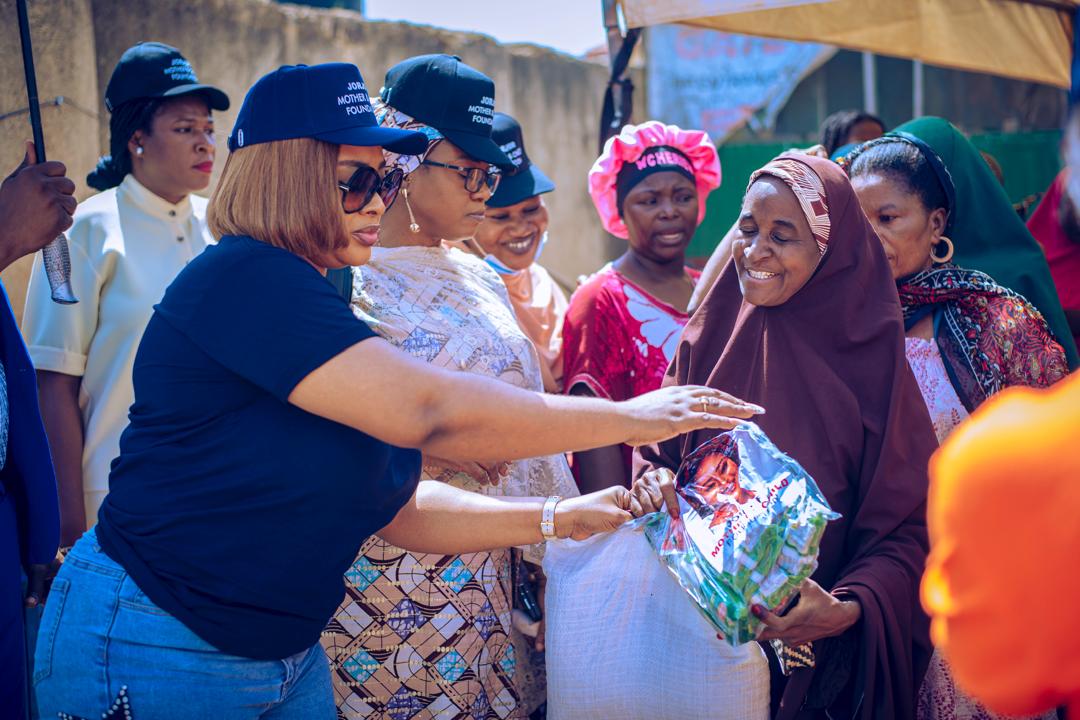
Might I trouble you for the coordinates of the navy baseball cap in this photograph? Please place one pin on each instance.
(524, 180)
(326, 102)
(455, 99)
(156, 70)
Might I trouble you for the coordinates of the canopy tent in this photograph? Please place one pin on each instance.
(1022, 39)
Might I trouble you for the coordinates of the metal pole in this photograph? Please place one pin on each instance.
(917, 100)
(57, 260)
(869, 83)
(618, 97)
(610, 11)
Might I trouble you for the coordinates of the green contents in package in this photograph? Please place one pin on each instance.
(752, 521)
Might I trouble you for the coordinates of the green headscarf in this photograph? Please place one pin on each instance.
(986, 231)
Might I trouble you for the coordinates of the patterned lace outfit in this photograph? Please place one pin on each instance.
(425, 636)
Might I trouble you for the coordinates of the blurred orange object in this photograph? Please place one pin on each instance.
(1002, 583)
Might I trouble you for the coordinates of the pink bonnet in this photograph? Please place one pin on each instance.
(629, 145)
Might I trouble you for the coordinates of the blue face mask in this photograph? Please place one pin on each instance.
(498, 267)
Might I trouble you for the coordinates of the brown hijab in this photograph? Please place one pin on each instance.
(829, 368)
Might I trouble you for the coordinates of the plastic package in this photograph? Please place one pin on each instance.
(752, 521)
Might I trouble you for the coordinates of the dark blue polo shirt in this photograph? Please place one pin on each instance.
(233, 510)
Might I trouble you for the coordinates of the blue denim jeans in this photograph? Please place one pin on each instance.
(100, 633)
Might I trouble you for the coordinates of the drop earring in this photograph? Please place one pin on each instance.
(414, 228)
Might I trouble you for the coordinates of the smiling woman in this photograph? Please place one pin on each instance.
(448, 308)
(774, 250)
(804, 323)
(511, 239)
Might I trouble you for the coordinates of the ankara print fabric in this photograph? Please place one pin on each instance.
(990, 337)
(618, 340)
(425, 636)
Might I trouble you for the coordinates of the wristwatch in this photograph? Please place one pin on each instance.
(547, 518)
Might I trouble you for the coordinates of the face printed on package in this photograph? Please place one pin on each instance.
(713, 488)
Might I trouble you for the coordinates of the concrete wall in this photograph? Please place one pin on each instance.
(231, 43)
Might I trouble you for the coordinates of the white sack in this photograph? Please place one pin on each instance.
(624, 641)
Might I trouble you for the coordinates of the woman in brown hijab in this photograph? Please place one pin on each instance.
(803, 321)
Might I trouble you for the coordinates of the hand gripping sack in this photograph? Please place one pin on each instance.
(751, 525)
(624, 642)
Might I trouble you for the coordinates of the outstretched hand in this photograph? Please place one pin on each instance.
(680, 409)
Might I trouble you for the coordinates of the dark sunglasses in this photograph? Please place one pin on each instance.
(364, 183)
(475, 178)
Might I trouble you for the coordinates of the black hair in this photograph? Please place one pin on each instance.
(124, 122)
(837, 127)
(904, 162)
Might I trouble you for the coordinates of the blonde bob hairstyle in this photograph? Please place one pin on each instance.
(283, 193)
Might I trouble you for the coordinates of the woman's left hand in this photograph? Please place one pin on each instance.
(816, 615)
(586, 515)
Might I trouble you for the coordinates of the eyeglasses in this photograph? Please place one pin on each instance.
(365, 183)
(475, 178)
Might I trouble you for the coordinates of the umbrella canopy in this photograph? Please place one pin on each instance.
(1022, 39)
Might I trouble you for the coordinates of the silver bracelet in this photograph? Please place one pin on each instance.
(547, 518)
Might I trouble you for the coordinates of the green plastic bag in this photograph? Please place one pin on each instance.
(752, 521)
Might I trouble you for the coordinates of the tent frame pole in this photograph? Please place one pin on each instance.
(619, 95)
(869, 83)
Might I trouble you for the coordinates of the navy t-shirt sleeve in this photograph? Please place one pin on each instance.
(266, 315)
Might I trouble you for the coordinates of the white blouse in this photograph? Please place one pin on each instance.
(946, 409)
(127, 245)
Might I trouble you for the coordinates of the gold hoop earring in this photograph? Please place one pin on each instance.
(414, 228)
(942, 259)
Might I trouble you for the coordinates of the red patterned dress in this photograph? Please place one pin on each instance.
(618, 340)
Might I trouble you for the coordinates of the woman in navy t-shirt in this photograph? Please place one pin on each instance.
(267, 440)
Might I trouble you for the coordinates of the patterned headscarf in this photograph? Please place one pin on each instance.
(391, 117)
(808, 190)
(990, 337)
